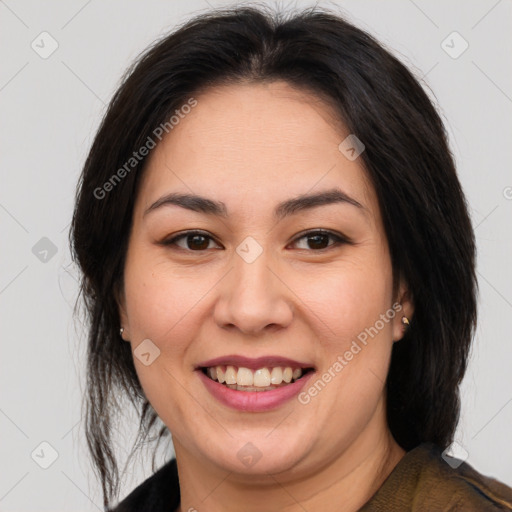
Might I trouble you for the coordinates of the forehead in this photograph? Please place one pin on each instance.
(243, 141)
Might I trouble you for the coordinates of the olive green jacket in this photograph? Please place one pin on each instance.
(423, 481)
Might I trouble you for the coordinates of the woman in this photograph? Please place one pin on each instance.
(279, 265)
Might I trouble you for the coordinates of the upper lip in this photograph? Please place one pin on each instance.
(253, 363)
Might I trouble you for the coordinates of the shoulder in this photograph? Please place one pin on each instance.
(160, 491)
(458, 486)
(424, 481)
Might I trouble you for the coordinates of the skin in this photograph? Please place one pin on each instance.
(252, 146)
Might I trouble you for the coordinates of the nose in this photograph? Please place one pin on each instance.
(253, 299)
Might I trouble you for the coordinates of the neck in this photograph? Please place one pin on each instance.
(343, 485)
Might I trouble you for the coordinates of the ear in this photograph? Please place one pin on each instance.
(123, 316)
(404, 307)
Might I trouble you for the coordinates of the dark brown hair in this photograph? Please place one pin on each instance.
(407, 159)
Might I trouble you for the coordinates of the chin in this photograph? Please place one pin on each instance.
(261, 455)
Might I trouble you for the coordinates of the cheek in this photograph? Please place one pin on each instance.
(163, 307)
(347, 298)
(161, 304)
(351, 314)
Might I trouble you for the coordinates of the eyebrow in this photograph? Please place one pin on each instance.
(289, 207)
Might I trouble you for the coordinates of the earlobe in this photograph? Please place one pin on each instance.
(123, 331)
(403, 319)
(123, 317)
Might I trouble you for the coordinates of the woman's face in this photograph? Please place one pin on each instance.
(287, 258)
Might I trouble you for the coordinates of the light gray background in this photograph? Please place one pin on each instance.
(50, 111)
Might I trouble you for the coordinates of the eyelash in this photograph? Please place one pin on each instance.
(338, 238)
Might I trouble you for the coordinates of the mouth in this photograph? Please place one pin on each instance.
(265, 378)
(254, 385)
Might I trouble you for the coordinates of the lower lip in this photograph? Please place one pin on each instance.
(254, 401)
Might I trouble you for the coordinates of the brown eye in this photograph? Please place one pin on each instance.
(197, 242)
(193, 241)
(318, 240)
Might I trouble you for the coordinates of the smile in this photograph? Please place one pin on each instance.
(254, 384)
(261, 379)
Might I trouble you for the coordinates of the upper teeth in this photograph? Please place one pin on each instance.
(263, 377)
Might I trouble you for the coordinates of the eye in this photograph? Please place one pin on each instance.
(319, 239)
(193, 241)
(199, 241)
